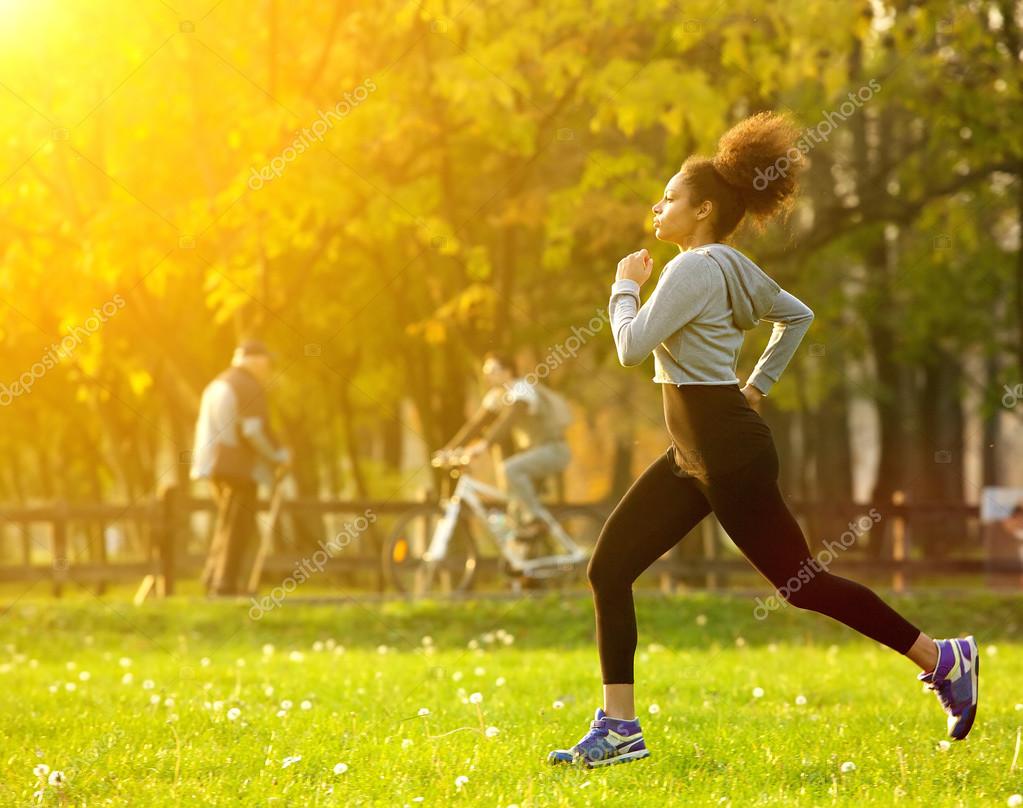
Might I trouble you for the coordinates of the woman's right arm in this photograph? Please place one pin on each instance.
(791, 318)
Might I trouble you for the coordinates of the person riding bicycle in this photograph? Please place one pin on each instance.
(535, 417)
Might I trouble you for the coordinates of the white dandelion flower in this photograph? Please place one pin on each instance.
(475, 698)
(558, 704)
(479, 670)
(507, 639)
(758, 692)
(423, 711)
(296, 656)
(70, 686)
(148, 684)
(382, 649)
(406, 743)
(204, 662)
(41, 770)
(318, 646)
(491, 732)
(268, 649)
(461, 780)
(281, 713)
(218, 705)
(427, 640)
(800, 700)
(1015, 800)
(233, 714)
(456, 676)
(124, 662)
(654, 709)
(286, 704)
(240, 662)
(944, 746)
(306, 705)
(500, 682)
(168, 702)
(56, 778)
(848, 766)
(268, 691)
(340, 768)
(128, 678)
(155, 699)
(84, 676)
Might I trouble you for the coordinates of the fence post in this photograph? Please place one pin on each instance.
(60, 559)
(710, 552)
(167, 536)
(899, 542)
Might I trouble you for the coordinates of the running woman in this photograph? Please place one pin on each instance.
(722, 456)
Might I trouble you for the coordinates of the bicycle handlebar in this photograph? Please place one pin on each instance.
(450, 460)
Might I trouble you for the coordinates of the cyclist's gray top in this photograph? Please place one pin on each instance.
(516, 410)
(705, 298)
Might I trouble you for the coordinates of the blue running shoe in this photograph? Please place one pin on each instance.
(954, 681)
(609, 741)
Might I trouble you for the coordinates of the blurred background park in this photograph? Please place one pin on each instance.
(383, 192)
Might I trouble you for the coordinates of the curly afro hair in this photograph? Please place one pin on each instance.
(755, 171)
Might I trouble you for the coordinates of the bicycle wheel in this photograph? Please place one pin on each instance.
(409, 539)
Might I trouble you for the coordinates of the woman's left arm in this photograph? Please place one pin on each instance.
(680, 295)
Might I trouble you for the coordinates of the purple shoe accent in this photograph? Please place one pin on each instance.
(609, 741)
(955, 682)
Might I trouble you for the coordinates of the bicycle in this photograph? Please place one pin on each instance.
(434, 544)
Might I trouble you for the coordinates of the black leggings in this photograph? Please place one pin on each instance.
(664, 504)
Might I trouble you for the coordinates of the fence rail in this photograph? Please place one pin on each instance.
(165, 524)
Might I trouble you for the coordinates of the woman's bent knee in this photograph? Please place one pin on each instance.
(813, 594)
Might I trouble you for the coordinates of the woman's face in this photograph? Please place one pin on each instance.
(677, 215)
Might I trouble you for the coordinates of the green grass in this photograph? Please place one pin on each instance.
(712, 742)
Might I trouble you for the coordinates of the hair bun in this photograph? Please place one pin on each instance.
(758, 158)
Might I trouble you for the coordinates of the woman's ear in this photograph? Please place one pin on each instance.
(705, 209)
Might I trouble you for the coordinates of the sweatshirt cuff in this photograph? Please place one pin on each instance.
(761, 382)
(625, 286)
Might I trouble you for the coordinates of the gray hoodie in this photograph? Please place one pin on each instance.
(695, 319)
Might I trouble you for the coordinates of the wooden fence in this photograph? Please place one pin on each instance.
(164, 523)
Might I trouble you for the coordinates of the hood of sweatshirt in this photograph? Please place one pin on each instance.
(751, 291)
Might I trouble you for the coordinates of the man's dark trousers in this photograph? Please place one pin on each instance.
(234, 531)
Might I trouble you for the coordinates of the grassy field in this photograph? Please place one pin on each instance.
(184, 702)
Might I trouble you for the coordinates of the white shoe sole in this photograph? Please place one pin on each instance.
(619, 759)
